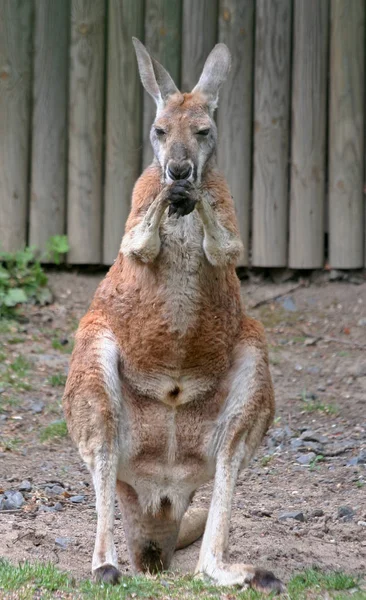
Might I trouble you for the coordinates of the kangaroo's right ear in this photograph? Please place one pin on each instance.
(155, 79)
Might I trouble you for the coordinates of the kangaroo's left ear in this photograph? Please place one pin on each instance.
(215, 71)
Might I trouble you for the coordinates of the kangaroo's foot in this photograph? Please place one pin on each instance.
(245, 576)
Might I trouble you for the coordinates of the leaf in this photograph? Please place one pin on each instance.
(15, 296)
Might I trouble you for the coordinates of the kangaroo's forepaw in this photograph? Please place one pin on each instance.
(107, 574)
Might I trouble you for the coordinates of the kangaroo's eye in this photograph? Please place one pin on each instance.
(203, 132)
(159, 132)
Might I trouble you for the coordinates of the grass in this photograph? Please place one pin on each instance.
(45, 581)
(54, 431)
(65, 348)
(58, 379)
(16, 373)
(9, 444)
(316, 406)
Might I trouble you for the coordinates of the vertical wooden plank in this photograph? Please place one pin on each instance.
(15, 69)
(48, 170)
(84, 213)
(234, 117)
(346, 134)
(271, 131)
(124, 131)
(198, 38)
(309, 88)
(163, 40)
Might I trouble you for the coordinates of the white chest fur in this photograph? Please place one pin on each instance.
(181, 260)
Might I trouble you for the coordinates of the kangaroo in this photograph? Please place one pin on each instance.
(169, 384)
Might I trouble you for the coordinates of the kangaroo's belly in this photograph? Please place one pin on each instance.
(170, 451)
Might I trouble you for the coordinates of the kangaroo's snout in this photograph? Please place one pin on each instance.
(179, 170)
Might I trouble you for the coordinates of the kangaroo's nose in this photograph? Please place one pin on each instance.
(179, 170)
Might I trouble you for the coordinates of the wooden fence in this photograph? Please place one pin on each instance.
(74, 121)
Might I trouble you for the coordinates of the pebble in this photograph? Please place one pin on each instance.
(55, 490)
(12, 500)
(58, 506)
(362, 322)
(25, 486)
(298, 515)
(306, 459)
(318, 512)
(346, 513)
(288, 303)
(48, 509)
(321, 388)
(62, 542)
(312, 436)
(76, 499)
(313, 370)
(298, 367)
(36, 407)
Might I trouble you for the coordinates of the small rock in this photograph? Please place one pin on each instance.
(76, 499)
(55, 490)
(361, 458)
(313, 370)
(25, 486)
(297, 515)
(315, 514)
(58, 506)
(361, 523)
(362, 322)
(298, 367)
(306, 459)
(64, 341)
(288, 303)
(312, 436)
(321, 388)
(13, 500)
(346, 513)
(36, 407)
(62, 542)
(48, 509)
(310, 341)
(337, 449)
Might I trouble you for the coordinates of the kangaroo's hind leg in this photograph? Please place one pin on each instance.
(94, 409)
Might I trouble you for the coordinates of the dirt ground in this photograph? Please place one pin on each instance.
(311, 466)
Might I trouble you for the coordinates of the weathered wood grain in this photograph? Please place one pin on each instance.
(234, 117)
(309, 89)
(271, 133)
(346, 134)
(50, 84)
(124, 123)
(163, 40)
(86, 96)
(198, 39)
(15, 69)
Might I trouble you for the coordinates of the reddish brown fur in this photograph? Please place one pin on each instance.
(129, 315)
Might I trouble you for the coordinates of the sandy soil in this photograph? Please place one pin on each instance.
(317, 338)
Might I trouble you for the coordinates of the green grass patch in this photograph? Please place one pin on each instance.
(58, 379)
(15, 374)
(54, 431)
(30, 581)
(65, 348)
(9, 444)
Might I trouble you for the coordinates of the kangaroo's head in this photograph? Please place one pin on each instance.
(184, 132)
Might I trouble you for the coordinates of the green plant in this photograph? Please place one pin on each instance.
(58, 379)
(57, 245)
(55, 430)
(22, 279)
